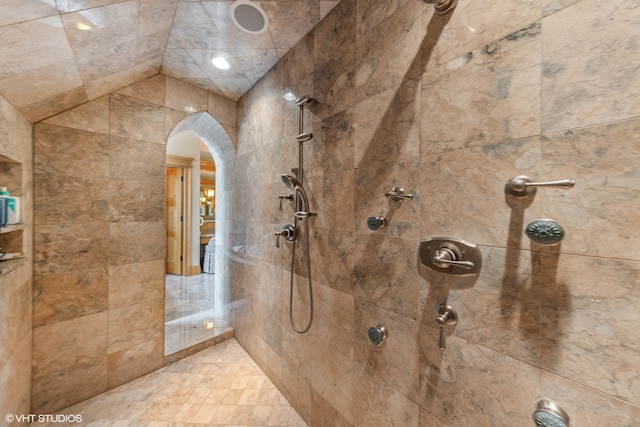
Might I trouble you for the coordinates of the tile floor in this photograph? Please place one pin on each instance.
(219, 386)
(193, 311)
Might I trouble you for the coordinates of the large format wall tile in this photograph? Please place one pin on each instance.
(462, 193)
(487, 95)
(468, 384)
(590, 77)
(589, 321)
(601, 213)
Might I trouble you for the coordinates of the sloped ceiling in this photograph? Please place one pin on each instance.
(56, 54)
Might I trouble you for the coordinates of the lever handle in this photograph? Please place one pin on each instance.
(445, 257)
(287, 232)
(522, 185)
(446, 316)
(283, 197)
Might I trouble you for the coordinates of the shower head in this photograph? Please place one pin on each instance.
(304, 137)
(549, 414)
(293, 183)
(290, 181)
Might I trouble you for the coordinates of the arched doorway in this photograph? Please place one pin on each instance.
(194, 309)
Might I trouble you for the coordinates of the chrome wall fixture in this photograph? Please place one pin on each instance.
(523, 186)
(376, 223)
(397, 194)
(442, 6)
(302, 212)
(446, 316)
(545, 232)
(377, 334)
(287, 232)
(549, 414)
(450, 256)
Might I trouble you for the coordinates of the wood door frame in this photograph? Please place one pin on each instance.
(186, 165)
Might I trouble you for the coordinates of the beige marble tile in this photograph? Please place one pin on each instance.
(601, 213)
(180, 95)
(370, 13)
(222, 109)
(77, 341)
(155, 16)
(75, 5)
(334, 83)
(297, 64)
(385, 273)
(135, 324)
(391, 54)
(34, 86)
(136, 119)
(289, 22)
(395, 362)
(92, 116)
(403, 217)
(68, 247)
(105, 84)
(151, 90)
(387, 126)
(332, 199)
(333, 323)
(585, 406)
(589, 78)
(468, 185)
(475, 24)
(468, 384)
(324, 414)
(124, 164)
(381, 405)
(428, 420)
(69, 295)
(135, 283)
(134, 361)
(55, 104)
(581, 339)
(553, 6)
(487, 95)
(332, 377)
(65, 199)
(130, 201)
(333, 256)
(40, 42)
(15, 11)
(150, 49)
(336, 33)
(134, 242)
(88, 159)
(193, 28)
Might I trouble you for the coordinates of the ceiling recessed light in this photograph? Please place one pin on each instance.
(83, 27)
(220, 62)
(249, 16)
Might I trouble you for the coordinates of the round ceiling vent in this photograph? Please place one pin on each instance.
(249, 16)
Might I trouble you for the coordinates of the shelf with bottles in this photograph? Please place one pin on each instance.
(11, 235)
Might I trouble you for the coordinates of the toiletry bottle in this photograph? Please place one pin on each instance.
(13, 206)
(3, 211)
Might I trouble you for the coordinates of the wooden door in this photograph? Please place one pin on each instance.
(174, 220)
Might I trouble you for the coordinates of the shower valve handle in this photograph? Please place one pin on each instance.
(287, 232)
(446, 316)
(445, 257)
(522, 186)
(282, 197)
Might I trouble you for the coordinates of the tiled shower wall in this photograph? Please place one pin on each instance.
(99, 172)
(450, 108)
